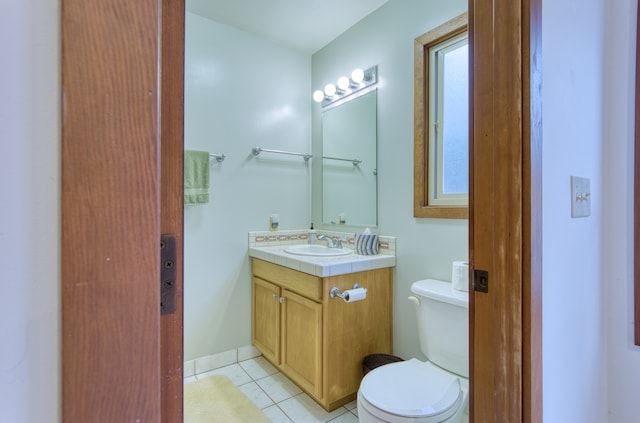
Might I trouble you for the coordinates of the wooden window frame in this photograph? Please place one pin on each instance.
(422, 44)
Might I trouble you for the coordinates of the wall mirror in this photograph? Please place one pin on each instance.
(349, 161)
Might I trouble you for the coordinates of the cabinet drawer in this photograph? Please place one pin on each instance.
(302, 283)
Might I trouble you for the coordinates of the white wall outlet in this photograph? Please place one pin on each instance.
(580, 197)
(273, 222)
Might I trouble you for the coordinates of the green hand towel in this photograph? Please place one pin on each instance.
(196, 177)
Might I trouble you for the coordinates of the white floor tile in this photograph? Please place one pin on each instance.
(234, 372)
(345, 418)
(276, 415)
(302, 409)
(279, 398)
(355, 411)
(278, 387)
(258, 368)
(257, 396)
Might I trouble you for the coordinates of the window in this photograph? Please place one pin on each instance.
(441, 133)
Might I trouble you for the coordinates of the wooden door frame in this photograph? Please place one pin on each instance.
(505, 210)
(99, 98)
(172, 200)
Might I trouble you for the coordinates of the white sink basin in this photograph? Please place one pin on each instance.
(316, 250)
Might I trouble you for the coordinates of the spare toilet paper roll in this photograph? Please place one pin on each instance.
(460, 275)
(356, 294)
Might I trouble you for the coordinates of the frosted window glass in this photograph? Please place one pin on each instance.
(455, 122)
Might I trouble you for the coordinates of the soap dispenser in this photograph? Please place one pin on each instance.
(312, 238)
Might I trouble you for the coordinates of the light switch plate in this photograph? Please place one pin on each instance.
(580, 197)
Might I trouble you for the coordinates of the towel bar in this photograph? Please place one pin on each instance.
(257, 150)
(355, 162)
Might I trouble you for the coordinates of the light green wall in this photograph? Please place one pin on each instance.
(426, 248)
(240, 92)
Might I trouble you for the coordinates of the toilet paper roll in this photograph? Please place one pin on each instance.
(460, 275)
(356, 294)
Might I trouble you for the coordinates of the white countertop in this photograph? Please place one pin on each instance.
(322, 266)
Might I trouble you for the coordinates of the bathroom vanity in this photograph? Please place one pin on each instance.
(316, 340)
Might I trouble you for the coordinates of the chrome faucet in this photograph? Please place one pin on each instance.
(332, 242)
(328, 239)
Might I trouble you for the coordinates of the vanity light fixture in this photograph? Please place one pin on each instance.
(347, 86)
(330, 90)
(357, 76)
(344, 83)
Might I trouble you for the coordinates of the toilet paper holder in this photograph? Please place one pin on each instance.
(335, 292)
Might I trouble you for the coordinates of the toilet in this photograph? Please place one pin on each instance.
(435, 390)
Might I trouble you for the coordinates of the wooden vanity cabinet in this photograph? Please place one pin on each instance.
(318, 341)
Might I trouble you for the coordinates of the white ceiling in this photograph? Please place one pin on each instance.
(305, 25)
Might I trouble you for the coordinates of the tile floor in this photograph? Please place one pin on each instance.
(279, 398)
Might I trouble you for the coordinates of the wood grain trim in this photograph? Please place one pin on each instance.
(481, 125)
(636, 200)
(421, 208)
(171, 205)
(504, 219)
(532, 211)
(472, 226)
(110, 211)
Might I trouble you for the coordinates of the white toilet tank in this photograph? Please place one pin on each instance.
(443, 324)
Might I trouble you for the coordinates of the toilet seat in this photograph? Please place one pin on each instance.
(414, 390)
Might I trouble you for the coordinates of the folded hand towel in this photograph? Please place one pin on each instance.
(196, 177)
(366, 244)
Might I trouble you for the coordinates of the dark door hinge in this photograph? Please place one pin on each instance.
(167, 274)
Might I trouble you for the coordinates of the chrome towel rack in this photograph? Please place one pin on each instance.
(355, 162)
(257, 150)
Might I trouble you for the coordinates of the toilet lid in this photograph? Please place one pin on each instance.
(412, 388)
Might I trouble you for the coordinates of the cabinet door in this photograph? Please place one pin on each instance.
(302, 342)
(265, 328)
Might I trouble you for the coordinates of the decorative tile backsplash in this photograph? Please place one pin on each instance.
(387, 244)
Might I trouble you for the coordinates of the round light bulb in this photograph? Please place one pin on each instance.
(357, 76)
(330, 90)
(343, 83)
(318, 96)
